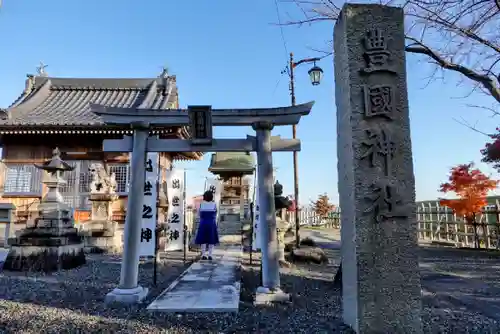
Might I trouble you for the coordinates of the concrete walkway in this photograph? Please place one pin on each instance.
(205, 286)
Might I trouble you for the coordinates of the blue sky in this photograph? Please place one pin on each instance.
(230, 54)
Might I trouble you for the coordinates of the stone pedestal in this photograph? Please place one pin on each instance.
(380, 272)
(229, 226)
(101, 234)
(127, 296)
(265, 296)
(51, 243)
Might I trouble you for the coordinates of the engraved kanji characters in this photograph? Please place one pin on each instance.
(175, 216)
(175, 219)
(386, 202)
(257, 216)
(149, 166)
(175, 201)
(377, 56)
(379, 142)
(173, 235)
(379, 101)
(146, 234)
(379, 147)
(200, 125)
(148, 188)
(149, 204)
(147, 211)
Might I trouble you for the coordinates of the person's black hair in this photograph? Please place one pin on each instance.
(208, 196)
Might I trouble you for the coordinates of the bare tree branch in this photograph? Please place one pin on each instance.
(461, 36)
(471, 127)
(487, 82)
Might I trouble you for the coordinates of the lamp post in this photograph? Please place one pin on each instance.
(315, 74)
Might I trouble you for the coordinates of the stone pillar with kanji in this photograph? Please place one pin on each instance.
(380, 272)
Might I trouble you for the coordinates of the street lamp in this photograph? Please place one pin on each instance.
(315, 74)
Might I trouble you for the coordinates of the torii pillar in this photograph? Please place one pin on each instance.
(128, 291)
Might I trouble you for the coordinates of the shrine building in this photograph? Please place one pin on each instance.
(54, 112)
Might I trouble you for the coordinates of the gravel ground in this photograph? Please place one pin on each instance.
(72, 302)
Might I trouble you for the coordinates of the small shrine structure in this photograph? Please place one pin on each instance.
(52, 243)
(233, 169)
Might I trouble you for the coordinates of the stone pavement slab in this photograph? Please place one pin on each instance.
(206, 286)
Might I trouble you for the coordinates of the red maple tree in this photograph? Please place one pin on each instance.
(491, 150)
(322, 206)
(471, 186)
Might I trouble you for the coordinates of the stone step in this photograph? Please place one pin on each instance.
(206, 286)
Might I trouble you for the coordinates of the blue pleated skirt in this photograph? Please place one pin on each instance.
(207, 230)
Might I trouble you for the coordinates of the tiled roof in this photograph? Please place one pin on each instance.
(232, 162)
(50, 101)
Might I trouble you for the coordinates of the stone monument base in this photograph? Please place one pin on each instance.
(102, 237)
(127, 296)
(45, 249)
(44, 258)
(229, 227)
(265, 296)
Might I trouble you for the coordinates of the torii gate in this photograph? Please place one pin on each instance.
(200, 119)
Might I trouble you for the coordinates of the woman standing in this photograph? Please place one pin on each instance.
(207, 235)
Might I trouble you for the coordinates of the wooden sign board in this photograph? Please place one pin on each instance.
(200, 124)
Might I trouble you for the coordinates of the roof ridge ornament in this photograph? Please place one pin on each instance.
(40, 70)
(4, 113)
(164, 72)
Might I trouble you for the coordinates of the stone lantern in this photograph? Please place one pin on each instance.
(52, 242)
